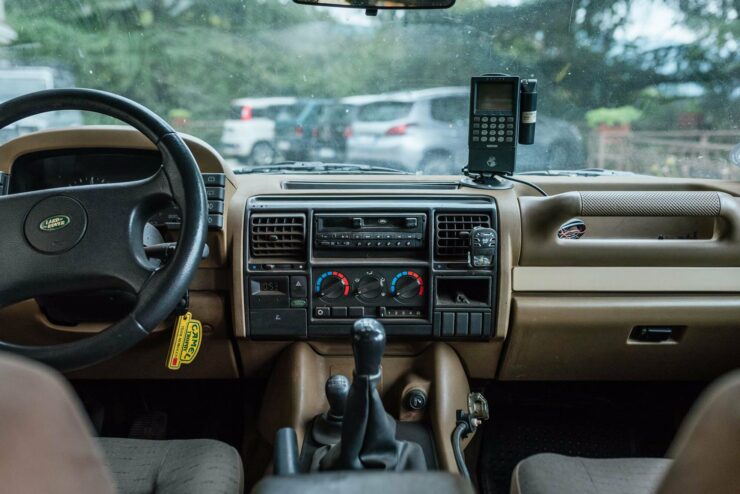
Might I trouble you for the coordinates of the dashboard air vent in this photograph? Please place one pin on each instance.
(453, 233)
(278, 235)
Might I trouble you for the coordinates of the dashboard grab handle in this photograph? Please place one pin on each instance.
(663, 203)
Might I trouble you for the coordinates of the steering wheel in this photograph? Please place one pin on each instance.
(89, 237)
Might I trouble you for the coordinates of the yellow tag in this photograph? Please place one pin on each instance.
(186, 338)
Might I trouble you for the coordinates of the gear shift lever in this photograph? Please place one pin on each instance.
(368, 439)
(337, 389)
(368, 345)
(327, 427)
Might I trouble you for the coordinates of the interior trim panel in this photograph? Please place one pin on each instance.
(625, 279)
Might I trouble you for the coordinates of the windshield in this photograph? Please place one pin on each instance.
(10, 87)
(649, 87)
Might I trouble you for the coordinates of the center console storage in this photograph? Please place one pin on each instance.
(315, 265)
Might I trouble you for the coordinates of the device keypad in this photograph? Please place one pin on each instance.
(500, 129)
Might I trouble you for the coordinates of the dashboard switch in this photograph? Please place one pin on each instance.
(214, 179)
(215, 193)
(476, 324)
(448, 324)
(298, 286)
(321, 312)
(215, 222)
(356, 312)
(338, 312)
(461, 324)
(215, 207)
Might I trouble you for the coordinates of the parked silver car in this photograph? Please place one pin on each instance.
(427, 130)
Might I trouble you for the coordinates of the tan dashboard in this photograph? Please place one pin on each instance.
(657, 255)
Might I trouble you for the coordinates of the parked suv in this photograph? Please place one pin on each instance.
(249, 133)
(428, 129)
(16, 81)
(294, 137)
(334, 127)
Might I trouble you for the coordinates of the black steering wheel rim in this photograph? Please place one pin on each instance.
(164, 289)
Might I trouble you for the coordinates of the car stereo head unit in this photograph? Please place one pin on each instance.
(369, 231)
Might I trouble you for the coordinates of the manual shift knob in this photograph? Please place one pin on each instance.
(368, 345)
(337, 389)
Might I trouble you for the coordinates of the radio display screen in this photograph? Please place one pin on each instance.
(495, 96)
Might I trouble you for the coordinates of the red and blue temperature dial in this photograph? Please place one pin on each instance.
(407, 285)
(332, 285)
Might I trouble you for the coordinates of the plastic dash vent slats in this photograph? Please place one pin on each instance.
(452, 233)
(278, 236)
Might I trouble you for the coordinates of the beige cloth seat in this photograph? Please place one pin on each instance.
(705, 458)
(47, 446)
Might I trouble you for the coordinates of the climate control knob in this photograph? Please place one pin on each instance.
(369, 287)
(332, 285)
(407, 285)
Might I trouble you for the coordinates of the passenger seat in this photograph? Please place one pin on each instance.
(706, 458)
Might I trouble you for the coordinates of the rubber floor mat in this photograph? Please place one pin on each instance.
(574, 422)
(511, 437)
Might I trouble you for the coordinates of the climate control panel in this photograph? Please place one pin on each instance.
(352, 292)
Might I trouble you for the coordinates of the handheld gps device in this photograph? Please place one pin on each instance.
(503, 113)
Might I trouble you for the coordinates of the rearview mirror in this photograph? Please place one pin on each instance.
(381, 4)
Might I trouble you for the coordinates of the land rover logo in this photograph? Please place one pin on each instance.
(54, 223)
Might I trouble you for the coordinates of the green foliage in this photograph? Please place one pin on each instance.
(613, 116)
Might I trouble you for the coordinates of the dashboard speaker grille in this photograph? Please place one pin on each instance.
(278, 235)
(453, 233)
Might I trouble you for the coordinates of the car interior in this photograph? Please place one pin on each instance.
(175, 320)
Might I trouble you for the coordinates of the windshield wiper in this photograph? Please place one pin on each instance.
(318, 167)
(583, 172)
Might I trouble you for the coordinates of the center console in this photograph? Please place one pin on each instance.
(317, 264)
